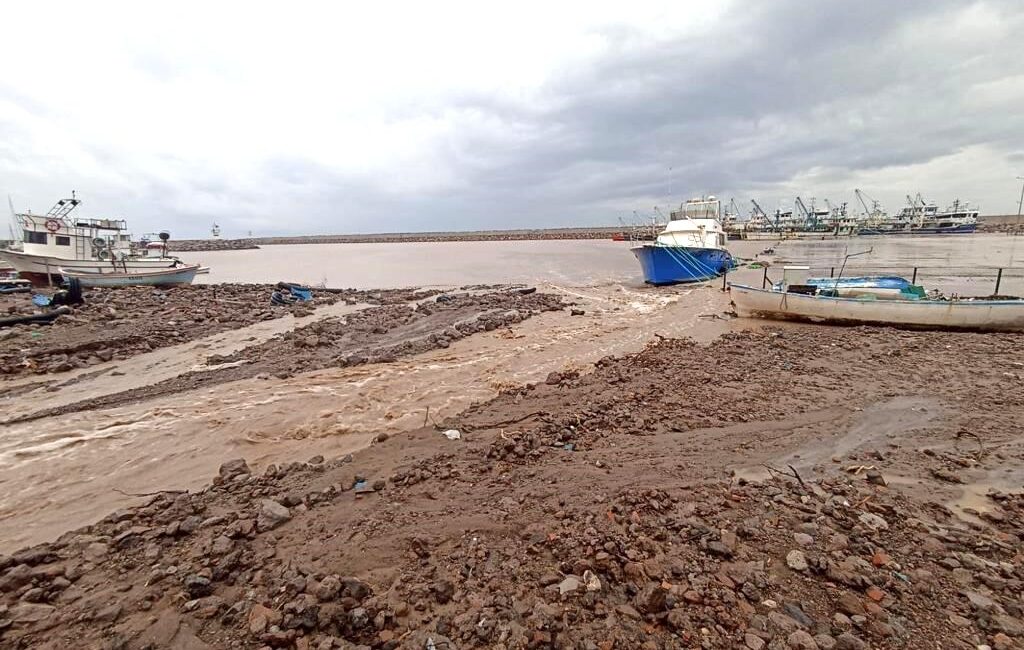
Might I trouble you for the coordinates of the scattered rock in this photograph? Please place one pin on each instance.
(234, 468)
(795, 560)
(271, 515)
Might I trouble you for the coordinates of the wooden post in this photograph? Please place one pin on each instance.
(914, 280)
(999, 279)
(725, 275)
(832, 272)
(764, 280)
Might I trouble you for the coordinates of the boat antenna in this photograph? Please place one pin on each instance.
(835, 286)
(14, 217)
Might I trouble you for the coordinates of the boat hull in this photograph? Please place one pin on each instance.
(677, 264)
(967, 315)
(960, 229)
(160, 278)
(40, 268)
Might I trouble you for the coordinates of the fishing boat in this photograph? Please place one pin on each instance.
(946, 314)
(155, 277)
(922, 218)
(61, 240)
(691, 248)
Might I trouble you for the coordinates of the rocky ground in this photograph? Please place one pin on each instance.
(119, 323)
(400, 323)
(775, 489)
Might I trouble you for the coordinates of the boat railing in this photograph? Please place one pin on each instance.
(100, 224)
(1000, 279)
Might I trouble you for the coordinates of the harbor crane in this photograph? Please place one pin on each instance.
(733, 209)
(758, 210)
(876, 207)
(834, 211)
(764, 215)
(806, 215)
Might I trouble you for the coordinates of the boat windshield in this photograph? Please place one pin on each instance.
(699, 209)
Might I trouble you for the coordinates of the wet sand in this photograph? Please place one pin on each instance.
(798, 487)
(595, 419)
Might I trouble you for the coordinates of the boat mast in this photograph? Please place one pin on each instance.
(805, 215)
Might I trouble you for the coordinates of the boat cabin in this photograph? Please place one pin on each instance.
(60, 234)
(697, 223)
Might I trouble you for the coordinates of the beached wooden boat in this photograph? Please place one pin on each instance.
(961, 314)
(161, 277)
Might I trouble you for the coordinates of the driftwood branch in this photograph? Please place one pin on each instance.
(503, 423)
(795, 474)
(148, 494)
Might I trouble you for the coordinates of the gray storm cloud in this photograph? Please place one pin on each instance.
(765, 100)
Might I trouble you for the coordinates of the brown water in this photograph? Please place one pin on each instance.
(63, 472)
(966, 263)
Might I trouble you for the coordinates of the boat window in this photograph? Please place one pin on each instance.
(63, 241)
(33, 237)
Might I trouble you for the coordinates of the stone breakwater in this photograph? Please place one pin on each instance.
(598, 232)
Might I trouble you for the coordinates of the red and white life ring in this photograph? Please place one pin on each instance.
(52, 225)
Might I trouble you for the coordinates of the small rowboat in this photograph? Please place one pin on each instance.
(160, 278)
(961, 314)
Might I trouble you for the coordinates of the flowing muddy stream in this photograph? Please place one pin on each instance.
(59, 473)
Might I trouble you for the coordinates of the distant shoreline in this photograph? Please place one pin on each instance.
(1007, 224)
(597, 232)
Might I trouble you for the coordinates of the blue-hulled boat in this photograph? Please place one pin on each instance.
(691, 248)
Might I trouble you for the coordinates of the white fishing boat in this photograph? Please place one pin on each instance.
(157, 277)
(60, 240)
(691, 248)
(953, 314)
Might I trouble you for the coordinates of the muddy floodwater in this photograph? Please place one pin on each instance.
(61, 472)
(955, 263)
(65, 471)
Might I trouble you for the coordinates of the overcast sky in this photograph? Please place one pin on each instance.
(291, 118)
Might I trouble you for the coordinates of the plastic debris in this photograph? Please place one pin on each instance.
(453, 434)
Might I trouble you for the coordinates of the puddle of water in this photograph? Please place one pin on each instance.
(974, 500)
(875, 425)
(838, 437)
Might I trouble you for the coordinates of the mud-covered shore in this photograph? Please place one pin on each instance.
(385, 326)
(796, 487)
